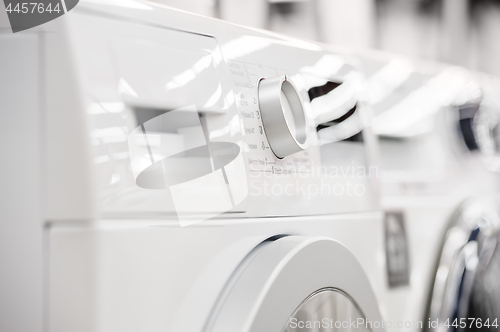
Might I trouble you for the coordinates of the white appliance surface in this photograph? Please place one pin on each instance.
(130, 84)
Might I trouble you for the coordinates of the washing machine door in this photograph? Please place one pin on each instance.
(466, 291)
(298, 284)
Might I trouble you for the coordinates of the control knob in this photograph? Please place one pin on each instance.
(283, 116)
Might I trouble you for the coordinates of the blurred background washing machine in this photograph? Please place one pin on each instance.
(465, 294)
(181, 173)
(437, 138)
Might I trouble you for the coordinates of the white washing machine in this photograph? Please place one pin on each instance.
(186, 174)
(465, 290)
(436, 127)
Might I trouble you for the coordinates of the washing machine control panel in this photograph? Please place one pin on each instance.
(285, 110)
(283, 117)
(276, 127)
(213, 122)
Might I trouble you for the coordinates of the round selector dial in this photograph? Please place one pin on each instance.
(283, 117)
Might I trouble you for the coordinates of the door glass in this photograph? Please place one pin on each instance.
(327, 310)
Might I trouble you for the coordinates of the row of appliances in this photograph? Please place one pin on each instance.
(171, 172)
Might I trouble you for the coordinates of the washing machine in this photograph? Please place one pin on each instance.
(181, 173)
(436, 127)
(465, 294)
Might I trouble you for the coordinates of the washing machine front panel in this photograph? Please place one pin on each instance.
(155, 120)
(169, 111)
(126, 275)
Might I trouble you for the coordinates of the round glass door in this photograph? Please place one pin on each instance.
(327, 310)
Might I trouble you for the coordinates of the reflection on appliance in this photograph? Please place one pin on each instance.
(466, 125)
(322, 90)
(334, 104)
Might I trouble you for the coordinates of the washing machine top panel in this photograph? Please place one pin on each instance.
(196, 118)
